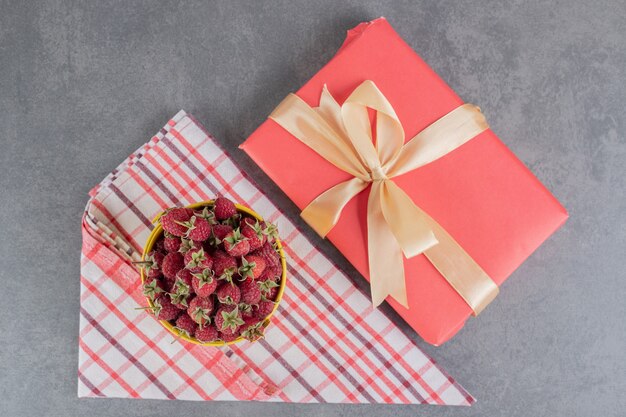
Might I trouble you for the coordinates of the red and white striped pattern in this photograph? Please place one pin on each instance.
(325, 344)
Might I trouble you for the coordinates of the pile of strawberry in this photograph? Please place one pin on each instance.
(214, 274)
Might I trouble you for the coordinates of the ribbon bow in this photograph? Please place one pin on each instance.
(342, 134)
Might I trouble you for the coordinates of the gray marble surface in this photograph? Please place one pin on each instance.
(82, 84)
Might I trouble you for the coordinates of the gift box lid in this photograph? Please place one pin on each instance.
(481, 193)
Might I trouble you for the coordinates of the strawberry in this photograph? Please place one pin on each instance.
(272, 273)
(171, 243)
(252, 329)
(212, 242)
(253, 239)
(197, 259)
(200, 310)
(152, 264)
(251, 266)
(249, 321)
(164, 309)
(264, 309)
(224, 208)
(170, 221)
(198, 229)
(271, 294)
(159, 246)
(276, 272)
(228, 275)
(252, 221)
(229, 336)
(252, 230)
(180, 294)
(221, 262)
(172, 263)
(271, 231)
(206, 214)
(267, 286)
(267, 251)
(246, 310)
(250, 291)
(233, 222)
(228, 293)
(153, 289)
(221, 231)
(186, 245)
(274, 267)
(185, 276)
(186, 325)
(207, 334)
(204, 283)
(228, 319)
(235, 244)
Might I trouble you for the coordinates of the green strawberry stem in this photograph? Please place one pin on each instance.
(247, 269)
(231, 319)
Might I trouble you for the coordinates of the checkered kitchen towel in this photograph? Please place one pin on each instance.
(325, 344)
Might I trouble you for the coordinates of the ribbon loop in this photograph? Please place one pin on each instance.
(331, 201)
(316, 133)
(342, 134)
(389, 131)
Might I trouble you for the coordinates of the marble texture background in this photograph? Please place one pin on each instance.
(82, 84)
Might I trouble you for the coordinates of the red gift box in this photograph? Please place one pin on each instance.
(484, 196)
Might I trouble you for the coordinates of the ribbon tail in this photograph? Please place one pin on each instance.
(407, 221)
(323, 213)
(386, 264)
(468, 279)
(423, 234)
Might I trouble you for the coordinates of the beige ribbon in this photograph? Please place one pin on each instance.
(395, 225)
